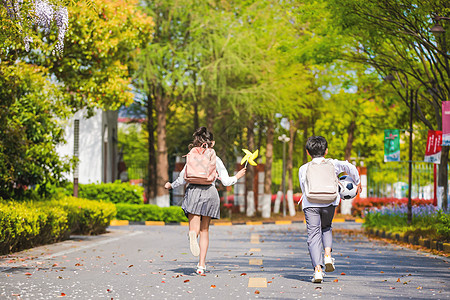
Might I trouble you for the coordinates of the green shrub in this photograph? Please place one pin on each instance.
(31, 223)
(149, 212)
(86, 216)
(116, 192)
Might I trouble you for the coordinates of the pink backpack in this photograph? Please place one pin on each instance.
(200, 166)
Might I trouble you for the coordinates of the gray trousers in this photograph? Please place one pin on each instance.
(318, 226)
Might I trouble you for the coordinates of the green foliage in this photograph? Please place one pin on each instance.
(149, 212)
(443, 225)
(86, 216)
(133, 141)
(28, 224)
(432, 226)
(116, 192)
(30, 129)
(98, 52)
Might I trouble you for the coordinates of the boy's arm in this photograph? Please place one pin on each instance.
(350, 169)
(301, 180)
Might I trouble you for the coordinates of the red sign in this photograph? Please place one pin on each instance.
(434, 146)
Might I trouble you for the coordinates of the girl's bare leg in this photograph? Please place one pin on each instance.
(194, 223)
(204, 240)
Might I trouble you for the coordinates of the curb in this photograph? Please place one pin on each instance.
(411, 239)
(161, 223)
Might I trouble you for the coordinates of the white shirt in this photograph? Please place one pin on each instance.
(340, 166)
(221, 170)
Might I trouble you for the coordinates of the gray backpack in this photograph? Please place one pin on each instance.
(321, 182)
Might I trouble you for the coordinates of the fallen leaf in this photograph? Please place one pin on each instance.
(256, 292)
(130, 266)
(163, 281)
(62, 294)
(318, 288)
(335, 280)
(78, 265)
(398, 280)
(419, 287)
(187, 280)
(269, 281)
(28, 274)
(213, 286)
(381, 272)
(392, 288)
(342, 273)
(243, 274)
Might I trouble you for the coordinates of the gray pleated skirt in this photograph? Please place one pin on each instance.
(201, 200)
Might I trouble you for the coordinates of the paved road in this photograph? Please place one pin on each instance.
(143, 262)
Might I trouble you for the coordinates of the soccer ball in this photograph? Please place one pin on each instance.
(347, 187)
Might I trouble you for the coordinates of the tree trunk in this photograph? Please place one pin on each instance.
(305, 136)
(250, 174)
(210, 113)
(196, 120)
(351, 131)
(267, 197)
(162, 166)
(443, 178)
(289, 168)
(151, 178)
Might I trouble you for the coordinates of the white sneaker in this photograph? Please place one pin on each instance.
(193, 243)
(317, 277)
(201, 270)
(329, 263)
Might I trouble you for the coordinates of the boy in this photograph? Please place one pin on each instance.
(319, 213)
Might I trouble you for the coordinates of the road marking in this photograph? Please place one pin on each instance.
(257, 282)
(255, 250)
(338, 220)
(283, 222)
(119, 223)
(154, 223)
(255, 262)
(358, 220)
(254, 223)
(184, 223)
(254, 238)
(223, 224)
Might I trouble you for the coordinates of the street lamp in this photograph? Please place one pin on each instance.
(283, 138)
(437, 29)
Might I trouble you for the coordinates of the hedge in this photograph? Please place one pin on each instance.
(29, 224)
(149, 212)
(116, 192)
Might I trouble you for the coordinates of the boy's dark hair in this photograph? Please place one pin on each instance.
(316, 146)
(202, 136)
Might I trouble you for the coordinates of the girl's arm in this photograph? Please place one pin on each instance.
(223, 173)
(179, 181)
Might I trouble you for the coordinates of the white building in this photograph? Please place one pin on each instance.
(98, 151)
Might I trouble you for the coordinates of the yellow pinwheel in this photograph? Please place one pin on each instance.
(249, 157)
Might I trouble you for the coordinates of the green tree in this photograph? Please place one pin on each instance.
(30, 114)
(395, 38)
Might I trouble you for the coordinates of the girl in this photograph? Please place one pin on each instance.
(201, 202)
